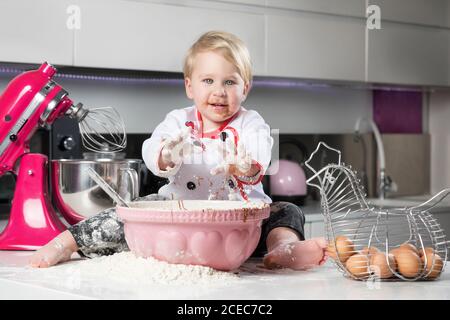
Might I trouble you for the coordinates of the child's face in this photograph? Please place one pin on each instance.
(216, 87)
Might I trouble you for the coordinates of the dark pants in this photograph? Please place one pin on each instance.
(103, 234)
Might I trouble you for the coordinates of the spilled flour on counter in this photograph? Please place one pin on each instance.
(126, 267)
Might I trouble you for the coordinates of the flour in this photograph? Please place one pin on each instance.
(126, 267)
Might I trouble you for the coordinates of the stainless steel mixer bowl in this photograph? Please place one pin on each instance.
(78, 197)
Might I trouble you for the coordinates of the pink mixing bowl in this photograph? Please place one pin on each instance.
(218, 234)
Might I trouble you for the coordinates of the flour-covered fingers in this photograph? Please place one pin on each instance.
(220, 169)
(244, 161)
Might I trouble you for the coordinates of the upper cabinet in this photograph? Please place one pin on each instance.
(424, 12)
(408, 54)
(148, 36)
(315, 46)
(355, 8)
(410, 48)
(35, 31)
(314, 39)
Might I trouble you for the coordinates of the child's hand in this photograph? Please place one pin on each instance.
(237, 161)
(174, 148)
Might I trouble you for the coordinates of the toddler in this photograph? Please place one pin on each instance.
(216, 150)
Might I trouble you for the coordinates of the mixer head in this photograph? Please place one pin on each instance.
(33, 99)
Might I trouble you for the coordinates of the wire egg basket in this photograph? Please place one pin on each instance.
(367, 242)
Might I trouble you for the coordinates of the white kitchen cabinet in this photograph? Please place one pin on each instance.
(315, 46)
(206, 3)
(341, 7)
(251, 2)
(426, 12)
(443, 219)
(148, 36)
(35, 31)
(408, 54)
(317, 39)
(307, 230)
(314, 225)
(317, 229)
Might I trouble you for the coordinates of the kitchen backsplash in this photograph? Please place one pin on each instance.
(407, 160)
(291, 106)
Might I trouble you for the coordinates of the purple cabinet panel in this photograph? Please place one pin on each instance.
(397, 111)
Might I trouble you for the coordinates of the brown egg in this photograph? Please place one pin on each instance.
(344, 248)
(370, 251)
(434, 263)
(380, 267)
(428, 250)
(409, 246)
(358, 265)
(408, 262)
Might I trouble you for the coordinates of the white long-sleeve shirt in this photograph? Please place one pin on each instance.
(191, 179)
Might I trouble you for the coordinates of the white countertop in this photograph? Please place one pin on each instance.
(20, 282)
(254, 282)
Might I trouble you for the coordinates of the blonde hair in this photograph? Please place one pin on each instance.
(231, 47)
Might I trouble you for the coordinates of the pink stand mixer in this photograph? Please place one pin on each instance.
(30, 100)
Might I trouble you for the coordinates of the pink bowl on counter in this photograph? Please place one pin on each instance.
(218, 234)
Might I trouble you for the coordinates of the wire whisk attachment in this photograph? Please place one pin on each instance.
(102, 129)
